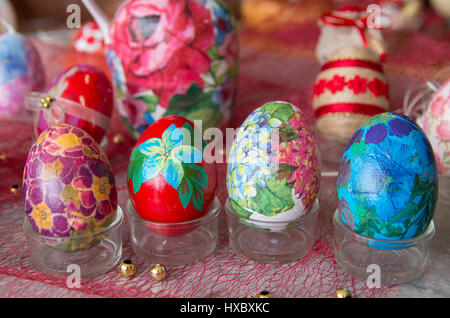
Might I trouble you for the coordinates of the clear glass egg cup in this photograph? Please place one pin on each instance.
(272, 242)
(174, 243)
(90, 254)
(397, 262)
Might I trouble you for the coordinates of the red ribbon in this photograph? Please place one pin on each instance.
(359, 23)
(353, 108)
(353, 63)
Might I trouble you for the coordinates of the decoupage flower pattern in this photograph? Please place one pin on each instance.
(273, 165)
(387, 183)
(435, 121)
(174, 158)
(68, 186)
(170, 58)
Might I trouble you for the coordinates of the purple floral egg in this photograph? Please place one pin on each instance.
(68, 186)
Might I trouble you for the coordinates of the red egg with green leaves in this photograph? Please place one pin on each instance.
(169, 180)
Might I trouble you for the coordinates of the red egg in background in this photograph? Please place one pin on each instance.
(168, 178)
(88, 86)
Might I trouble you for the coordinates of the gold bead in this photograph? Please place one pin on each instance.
(4, 156)
(127, 268)
(14, 189)
(118, 139)
(158, 272)
(46, 101)
(265, 294)
(343, 293)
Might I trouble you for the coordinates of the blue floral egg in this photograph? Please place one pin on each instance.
(387, 185)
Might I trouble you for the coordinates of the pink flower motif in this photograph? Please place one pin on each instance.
(302, 154)
(229, 48)
(443, 130)
(337, 83)
(438, 105)
(441, 168)
(426, 124)
(357, 85)
(163, 44)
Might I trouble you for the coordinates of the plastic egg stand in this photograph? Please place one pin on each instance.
(93, 253)
(399, 261)
(272, 242)
(174, 243)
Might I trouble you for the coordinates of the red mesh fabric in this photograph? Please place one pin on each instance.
(274, 66)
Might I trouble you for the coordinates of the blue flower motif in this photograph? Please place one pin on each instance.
(222, 23)
(166, 156)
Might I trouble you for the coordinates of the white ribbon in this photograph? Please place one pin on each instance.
(55, 110)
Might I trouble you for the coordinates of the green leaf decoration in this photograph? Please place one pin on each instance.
(285, 171)
(195, 104)
(194, 179)
(281, 111)
(135, 169)
(274, 198)
(196, 174)
(213, 52)
(287, 133)
(185, 191)
(237, 208)
(150, 100)
(198, 198)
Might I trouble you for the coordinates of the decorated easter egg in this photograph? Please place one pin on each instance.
(348, 26)
(173, 57)
(89, 39)
(350, 88)
(21, 72)
(436, 123)
(68, 186)
(168, 179)
(387, 185)
(273, 165)
(89, 87)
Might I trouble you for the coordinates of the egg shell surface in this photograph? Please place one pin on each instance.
(87, 85)
(68, 186)
(21, 72)
(387, 185)
(173, 57)
(273, 166)
(168, 180)
(436, 123)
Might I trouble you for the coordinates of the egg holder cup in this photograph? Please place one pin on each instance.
(93, 253)
(272, 242)
(174, 243)
(399, 262)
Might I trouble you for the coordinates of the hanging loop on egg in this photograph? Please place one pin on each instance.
(419, 95)
(55, 109)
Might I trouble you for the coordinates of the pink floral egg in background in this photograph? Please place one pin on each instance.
(173, 57)
(68, 187)
(21, 71)
(436, 124)
(274, 166)
(88, 86)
